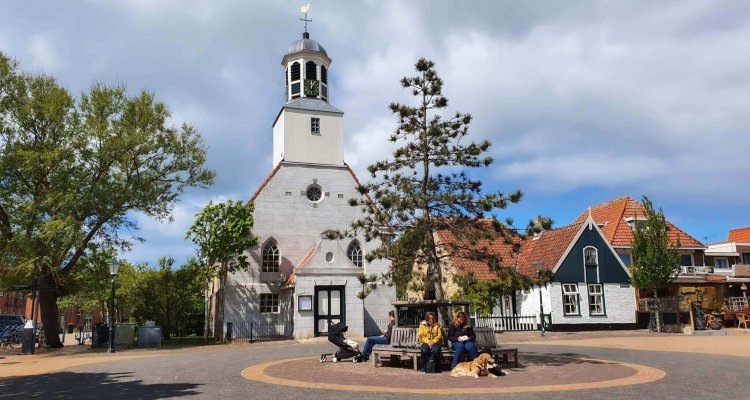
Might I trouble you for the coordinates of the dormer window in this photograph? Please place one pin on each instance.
(634, 222)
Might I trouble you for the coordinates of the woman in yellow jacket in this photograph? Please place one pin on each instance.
(430, 337)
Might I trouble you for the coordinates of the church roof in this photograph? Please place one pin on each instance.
(306, 45)
(311, 104)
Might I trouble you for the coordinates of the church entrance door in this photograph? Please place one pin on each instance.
(329, 308)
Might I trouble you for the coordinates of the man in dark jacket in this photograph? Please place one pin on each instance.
(385, 338)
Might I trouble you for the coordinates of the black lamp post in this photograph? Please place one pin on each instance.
(541, 303)
(114, 268)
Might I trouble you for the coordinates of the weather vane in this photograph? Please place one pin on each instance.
(304, 9)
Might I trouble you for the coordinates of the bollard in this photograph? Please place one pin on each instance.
(27, 338)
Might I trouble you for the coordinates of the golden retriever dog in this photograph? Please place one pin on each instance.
(479, 367)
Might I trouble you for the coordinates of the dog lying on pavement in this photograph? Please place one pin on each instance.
(479, 367)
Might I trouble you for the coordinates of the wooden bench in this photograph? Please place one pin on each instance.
(404, 345)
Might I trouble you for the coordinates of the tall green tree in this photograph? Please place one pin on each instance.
(173, 298)
(656, 261)
(75, 170)
(223, 232)
(423, 188)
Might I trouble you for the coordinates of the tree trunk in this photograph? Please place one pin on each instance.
(658, 311)
(206, 314)
(50, 320)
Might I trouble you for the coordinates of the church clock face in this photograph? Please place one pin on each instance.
(312, 88)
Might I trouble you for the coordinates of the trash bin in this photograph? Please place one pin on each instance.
(100, 335)
(27, 338)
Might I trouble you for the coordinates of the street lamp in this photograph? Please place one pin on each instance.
(541, 303)
(114, 268)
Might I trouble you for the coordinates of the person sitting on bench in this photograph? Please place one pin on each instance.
(462, 338)
(385, 338)
(430, 336)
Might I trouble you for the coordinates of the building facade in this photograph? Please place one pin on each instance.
(300, 275)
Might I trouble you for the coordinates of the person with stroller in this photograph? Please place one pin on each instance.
(385, 338)
(430, 336)
(462, 338)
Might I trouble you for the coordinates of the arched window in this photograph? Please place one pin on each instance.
(590, 256)
(311, 70)
(354, 252)
(271, 257)
(324, 74)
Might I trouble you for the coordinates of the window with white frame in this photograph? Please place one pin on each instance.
(626, 258)
(721, 263)
(596, 299)
(315, 125)
(354, 252)
(590, 256)
(269, 303)
(570, 299)
(271, 257)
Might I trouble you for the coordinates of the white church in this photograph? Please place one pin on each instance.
(298, 277)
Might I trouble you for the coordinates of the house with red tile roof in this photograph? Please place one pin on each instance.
(589, 286)
(731, 258)
(460, 259)
(617, 219)
(708, 274)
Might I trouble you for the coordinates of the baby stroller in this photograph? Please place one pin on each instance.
(336, 336)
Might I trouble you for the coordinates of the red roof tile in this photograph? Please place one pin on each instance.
(741, 235)
(463, 262)
(544, 251)
(265, 181)
(617, 231)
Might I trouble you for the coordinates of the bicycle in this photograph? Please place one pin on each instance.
(11, 337)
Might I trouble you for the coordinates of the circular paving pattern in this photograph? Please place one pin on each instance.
(539, 373)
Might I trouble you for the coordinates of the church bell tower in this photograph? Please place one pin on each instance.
(308, 129)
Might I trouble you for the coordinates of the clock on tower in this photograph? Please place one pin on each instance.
(312, 88)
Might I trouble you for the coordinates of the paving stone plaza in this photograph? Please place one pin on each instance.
(616, 367)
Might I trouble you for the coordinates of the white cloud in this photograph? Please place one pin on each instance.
(42, 53)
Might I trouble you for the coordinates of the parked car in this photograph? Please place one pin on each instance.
(7, 319)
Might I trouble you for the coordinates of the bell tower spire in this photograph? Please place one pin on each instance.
(308, 129)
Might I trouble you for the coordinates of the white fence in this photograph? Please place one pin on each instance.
(500, 323)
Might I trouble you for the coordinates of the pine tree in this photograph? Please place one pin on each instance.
(423, 188)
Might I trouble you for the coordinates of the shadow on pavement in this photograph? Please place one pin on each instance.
(91, 385)
(556, 359)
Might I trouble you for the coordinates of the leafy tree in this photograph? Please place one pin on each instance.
(88, 287)
(173, 298)
(74, 170)
(656, 261)
(423, 188)
(223, 232)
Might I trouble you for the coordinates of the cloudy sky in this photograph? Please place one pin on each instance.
(584, 102)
